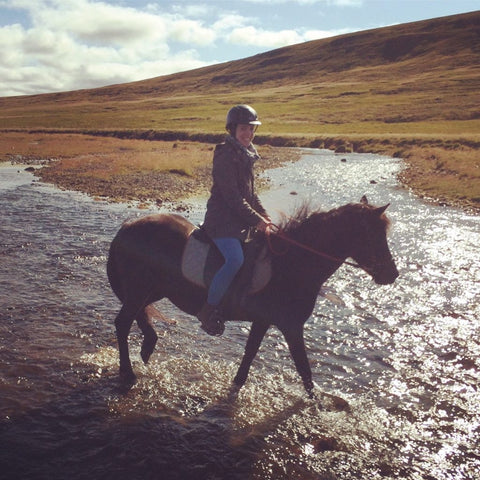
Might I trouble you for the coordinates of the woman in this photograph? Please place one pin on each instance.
(233, 207)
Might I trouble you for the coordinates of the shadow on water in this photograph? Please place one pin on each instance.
(78, 437)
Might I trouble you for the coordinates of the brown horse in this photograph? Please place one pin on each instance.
(144, 266)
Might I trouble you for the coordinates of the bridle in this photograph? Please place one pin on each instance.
(273, 229)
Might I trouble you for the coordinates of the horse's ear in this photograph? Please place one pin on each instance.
(380, 210)
(364, 200)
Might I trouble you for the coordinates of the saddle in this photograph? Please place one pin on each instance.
(201, 260)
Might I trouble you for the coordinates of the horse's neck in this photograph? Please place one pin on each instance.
(326, 240)
(328, 234)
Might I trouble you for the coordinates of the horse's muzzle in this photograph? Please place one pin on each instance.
(385, 274)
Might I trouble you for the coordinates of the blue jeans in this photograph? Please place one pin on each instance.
(231, 249)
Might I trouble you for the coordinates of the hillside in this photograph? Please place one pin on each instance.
(386, 90)
(419, 72)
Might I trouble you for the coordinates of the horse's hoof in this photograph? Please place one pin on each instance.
(233, 392)
(146, 354)
(147, 349)
(309, 388)
(128, 378)
(214, 329)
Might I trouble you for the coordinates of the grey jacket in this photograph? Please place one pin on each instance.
(233, 206)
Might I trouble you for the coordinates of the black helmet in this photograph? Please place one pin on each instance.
(243, 114)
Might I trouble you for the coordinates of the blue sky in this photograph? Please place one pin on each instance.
(58, 45)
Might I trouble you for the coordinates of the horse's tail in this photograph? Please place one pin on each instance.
(113, 272)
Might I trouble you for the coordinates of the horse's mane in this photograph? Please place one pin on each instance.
(289, 223)
(305, 214)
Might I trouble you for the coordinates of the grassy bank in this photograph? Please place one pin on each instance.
(123, 169)
(146, 166)
(451, 177)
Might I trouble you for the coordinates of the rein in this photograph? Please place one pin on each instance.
(277, 232)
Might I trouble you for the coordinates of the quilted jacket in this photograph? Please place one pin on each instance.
(233, 207)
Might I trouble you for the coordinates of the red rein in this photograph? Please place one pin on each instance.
(275, 230)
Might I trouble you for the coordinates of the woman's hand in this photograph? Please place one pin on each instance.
(263, 224)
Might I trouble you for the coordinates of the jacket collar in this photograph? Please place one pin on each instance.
(248, 153)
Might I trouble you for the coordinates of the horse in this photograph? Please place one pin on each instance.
(144, 266)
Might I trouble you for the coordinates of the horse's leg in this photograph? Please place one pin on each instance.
(149, 335)
(123, 323)
(296, 345)
(257, 332)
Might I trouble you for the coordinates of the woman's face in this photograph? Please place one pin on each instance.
(245, 133)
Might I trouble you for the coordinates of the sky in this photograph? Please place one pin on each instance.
(61, 45)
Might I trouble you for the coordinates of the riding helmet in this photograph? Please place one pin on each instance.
(241, 114)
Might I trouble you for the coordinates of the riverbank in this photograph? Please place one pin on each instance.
(145, 171)
(124, 170)
(449, 177)
(144, 182)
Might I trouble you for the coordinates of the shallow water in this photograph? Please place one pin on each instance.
(405, 357)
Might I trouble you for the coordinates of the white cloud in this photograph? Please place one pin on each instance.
(200, 10)
(72, 44)
(319, 34)
(191, 32)
(263, 38)
(347, 3)
(10, 38)
(98, 22)
(227, 21)
(272, 39)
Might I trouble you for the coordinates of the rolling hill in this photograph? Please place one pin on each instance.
(419, 78)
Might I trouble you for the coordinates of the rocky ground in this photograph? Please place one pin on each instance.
(146, 187)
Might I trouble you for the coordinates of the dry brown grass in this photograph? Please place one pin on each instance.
(123, 169)
(450, 176)
(120, 169)
(121, 154)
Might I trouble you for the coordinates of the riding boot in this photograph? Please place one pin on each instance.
(211, 320)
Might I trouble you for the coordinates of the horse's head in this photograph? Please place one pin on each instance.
(369, 247)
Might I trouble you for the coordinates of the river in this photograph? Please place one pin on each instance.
(405, 357)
